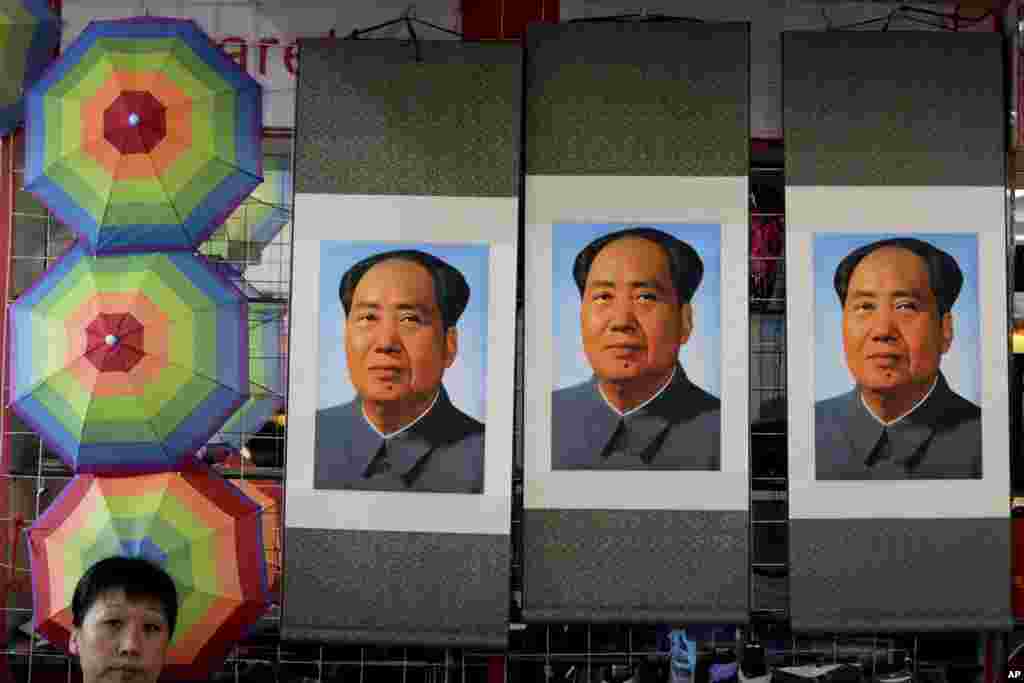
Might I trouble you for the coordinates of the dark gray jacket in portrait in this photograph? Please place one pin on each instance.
(442, 453)
(941, 439)
(678, 430)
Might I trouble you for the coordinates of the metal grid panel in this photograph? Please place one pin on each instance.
(769, 518)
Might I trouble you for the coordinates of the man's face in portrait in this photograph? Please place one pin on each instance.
(631, 319)
(893, 335)
(121, 639)
(395, 343)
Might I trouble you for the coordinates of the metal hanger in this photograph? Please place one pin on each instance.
(408, 20)
(634, 17)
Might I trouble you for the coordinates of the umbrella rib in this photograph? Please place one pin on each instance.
(223, 89)
(153, 432)
(106, 208)
(249, 419)
(264, 391)
(109, 190)
(65, 156)
(124, 328)
(90, 349)
(32, 389)
(170, 200)
(212, 380)
(65, 369)
(159, 182)
(273, 205)
(156, 438)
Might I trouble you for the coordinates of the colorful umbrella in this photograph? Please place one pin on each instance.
(202, 530)
(234, 276)
(267, 494)
(259, 219)
(144, 136)
(29, 35)
(128, 363)
(266, 376)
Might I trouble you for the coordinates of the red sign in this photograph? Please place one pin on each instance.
(241, 50)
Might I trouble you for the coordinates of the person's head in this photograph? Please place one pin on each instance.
(636, 286)
(897, 295)
(401, 308)
(124, 611)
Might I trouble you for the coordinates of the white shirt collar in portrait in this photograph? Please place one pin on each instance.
(629, 412)
(915, 406)
(408, 426)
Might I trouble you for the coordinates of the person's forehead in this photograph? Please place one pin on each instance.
(894, 262)
(405, 278)
(636, 252)
(115, 599)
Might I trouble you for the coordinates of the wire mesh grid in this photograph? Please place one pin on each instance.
(769, 513)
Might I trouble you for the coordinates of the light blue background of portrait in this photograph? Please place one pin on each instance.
(960, 365)
(465, 380)
(700, 356)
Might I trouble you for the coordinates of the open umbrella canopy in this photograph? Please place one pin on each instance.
(266, 376)
(268, 495)
(259, 219)
(29, 34)
(202, 530)
(235, 277)
(144, 136)
(128, 363)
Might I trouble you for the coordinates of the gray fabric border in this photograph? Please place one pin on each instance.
(866, 108)
(398, 588)
(370, 119)
(659, 99)
(900, 574)
(636, 566)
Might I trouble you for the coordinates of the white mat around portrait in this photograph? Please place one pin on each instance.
(555, 200)
(383, 218)
(824, 210)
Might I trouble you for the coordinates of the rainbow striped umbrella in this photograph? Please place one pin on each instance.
(266, 376)
(235, 277)
(268, 495)
(29, 34)
(144, 135)
(259, 219)
(202, 530)
(128, 363)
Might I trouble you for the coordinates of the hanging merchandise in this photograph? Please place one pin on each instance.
(268, 495)
(234, 276)
(767, 235)
(144, 135)
(29, 35)
(259, 219)
(202, 530)
(682, 656)
(754, 668)
(724, 667)
(819, 673)
(128, 364)
(266, 376)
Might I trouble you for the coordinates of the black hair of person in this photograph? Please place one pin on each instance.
(944, 274)
(451, 290)
(137, 577)
(684, 264)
